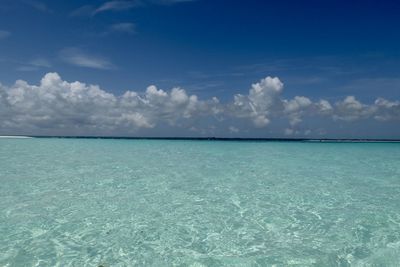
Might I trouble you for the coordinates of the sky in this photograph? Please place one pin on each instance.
(200, 68)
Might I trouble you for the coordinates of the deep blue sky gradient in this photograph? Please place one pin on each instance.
(214, 47)
(321, 49)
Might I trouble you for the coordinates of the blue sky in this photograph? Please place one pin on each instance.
(319, 50)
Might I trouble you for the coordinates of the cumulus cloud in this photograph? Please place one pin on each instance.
(79, 58)
(262, 100)
(62, 107)
(386, 110)
(265, 101)
(59, 104)
(324, 107)
(296, 107)
(350, 109)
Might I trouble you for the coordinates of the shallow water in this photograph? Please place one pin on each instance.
(91, 202)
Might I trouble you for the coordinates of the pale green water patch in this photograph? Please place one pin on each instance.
(86, 202)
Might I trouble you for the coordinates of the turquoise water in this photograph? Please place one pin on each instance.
(79, 202)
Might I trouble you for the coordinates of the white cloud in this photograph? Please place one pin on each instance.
(387, 110)
(77, 57)
(260, 103)
(324, 107)
(58, 104)
(55, 106)
(350, 109)
(295, 108)
(296, 104)
(265, 102)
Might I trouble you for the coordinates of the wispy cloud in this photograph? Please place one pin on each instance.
(83, 11)
(40, 62)
(27, 68)
(116, 6)
(4, 34)
(170, 2)
(125, 27)
(35, 64)
(121, 5)
(79, 58)
(40, 6)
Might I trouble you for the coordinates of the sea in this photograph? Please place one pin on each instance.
(140, 202)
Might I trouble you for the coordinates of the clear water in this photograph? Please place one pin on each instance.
(78, 202)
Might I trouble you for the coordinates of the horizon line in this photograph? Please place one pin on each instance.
(210, 138)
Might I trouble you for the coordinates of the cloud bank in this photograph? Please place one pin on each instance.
(56, 106)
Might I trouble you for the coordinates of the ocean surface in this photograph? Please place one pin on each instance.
(105, 202)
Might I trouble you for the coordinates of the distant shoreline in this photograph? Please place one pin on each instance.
(15, 136)
(322, 140)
